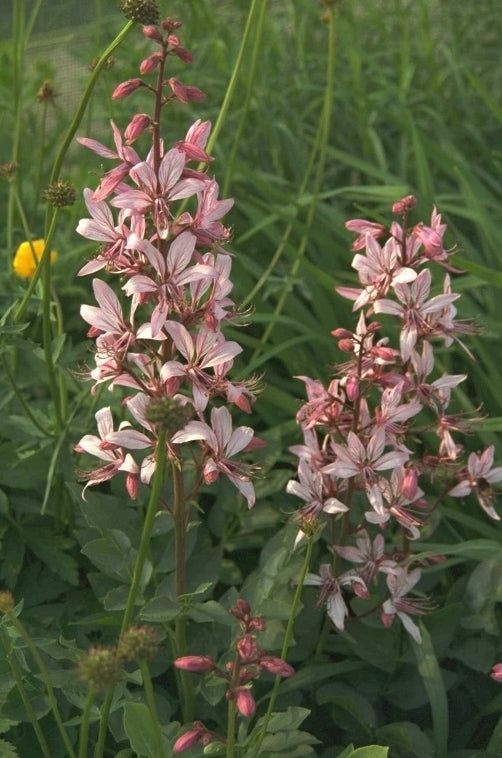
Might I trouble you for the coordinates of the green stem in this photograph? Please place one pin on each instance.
(180, 563)
(103, 725)
(237, 137)
(324, 129)
(232, 85)
(24, 697)
(285, 645)
(84, 724)
(150, 701)
(19, 627)
(151, 511)
(231, 719)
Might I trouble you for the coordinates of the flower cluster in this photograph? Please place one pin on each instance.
(248, 664)
(158, 221)
(367, 460)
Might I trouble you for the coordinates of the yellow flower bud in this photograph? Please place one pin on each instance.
(27, 257)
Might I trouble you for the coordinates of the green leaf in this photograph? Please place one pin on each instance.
(113, 554)
(290, 719)
(433, 682)
(370, 751)
(7, 750)
(49, 548)
(138, 724)
(406, 738)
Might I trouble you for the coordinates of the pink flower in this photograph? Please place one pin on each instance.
(158, 189)
(400, 582)
(370, 554)
(356, 459)
(379, 270)
(496, 672)
(311, 489)
(331, 592)
(223, 444)
(419, 315)
(479, 475)
(364, 229)
(108, 447)
(127, 155)
(108, 318)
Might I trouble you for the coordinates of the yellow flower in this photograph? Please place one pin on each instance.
(27, 256)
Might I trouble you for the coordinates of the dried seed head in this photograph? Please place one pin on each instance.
(46, 93)
(141, 11)
(60, 194)
(169, 414)
(6, 601)
(9, 170)
(101, 667)
(138, 643)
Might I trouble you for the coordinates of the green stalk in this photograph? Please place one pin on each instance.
(285, 645)
(232, 85)
(231, 719)
(24, 697)
(19, 627)
(150, 701)
(103, 725)
(151, 511)
(180, 560)
(84, 724)
(257, 47)
(324, 129)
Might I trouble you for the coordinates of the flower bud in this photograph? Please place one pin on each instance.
(150, 63)
(276, 666)
(200, 664)
(190, 738)
(125, 88)
(247, 648)
(184, 92)
(245, 701)
(496, 672)
(138, 124)
(405, 205)
(410, 483)
(352, 388)
(152, 33)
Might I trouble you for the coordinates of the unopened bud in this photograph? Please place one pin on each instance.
(496, 672)
(247, 648)
(125, 88)
(184, 92)
(199, 664)
(352, 388)
(150, 63)
(245, 701)
(410, 483)
(405, 205)
(138, 124)
(276, 666)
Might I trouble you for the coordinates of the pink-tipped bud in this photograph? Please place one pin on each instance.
(346, 345)
(241, 609)
(410, 483)
(190, 738)
(169, 25)
(247, 648)
(183, 92)
(387, 619)
(138, 124)
(152, 33)
(496, 672)
(405, 205)
(360, 590)
(183, 54)
(150, 64)
(125, 88)
(200, 664)
(352, 388)
(276, 666)
(245, 701)
(257, 623)
(132, 485)
(341, 333)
